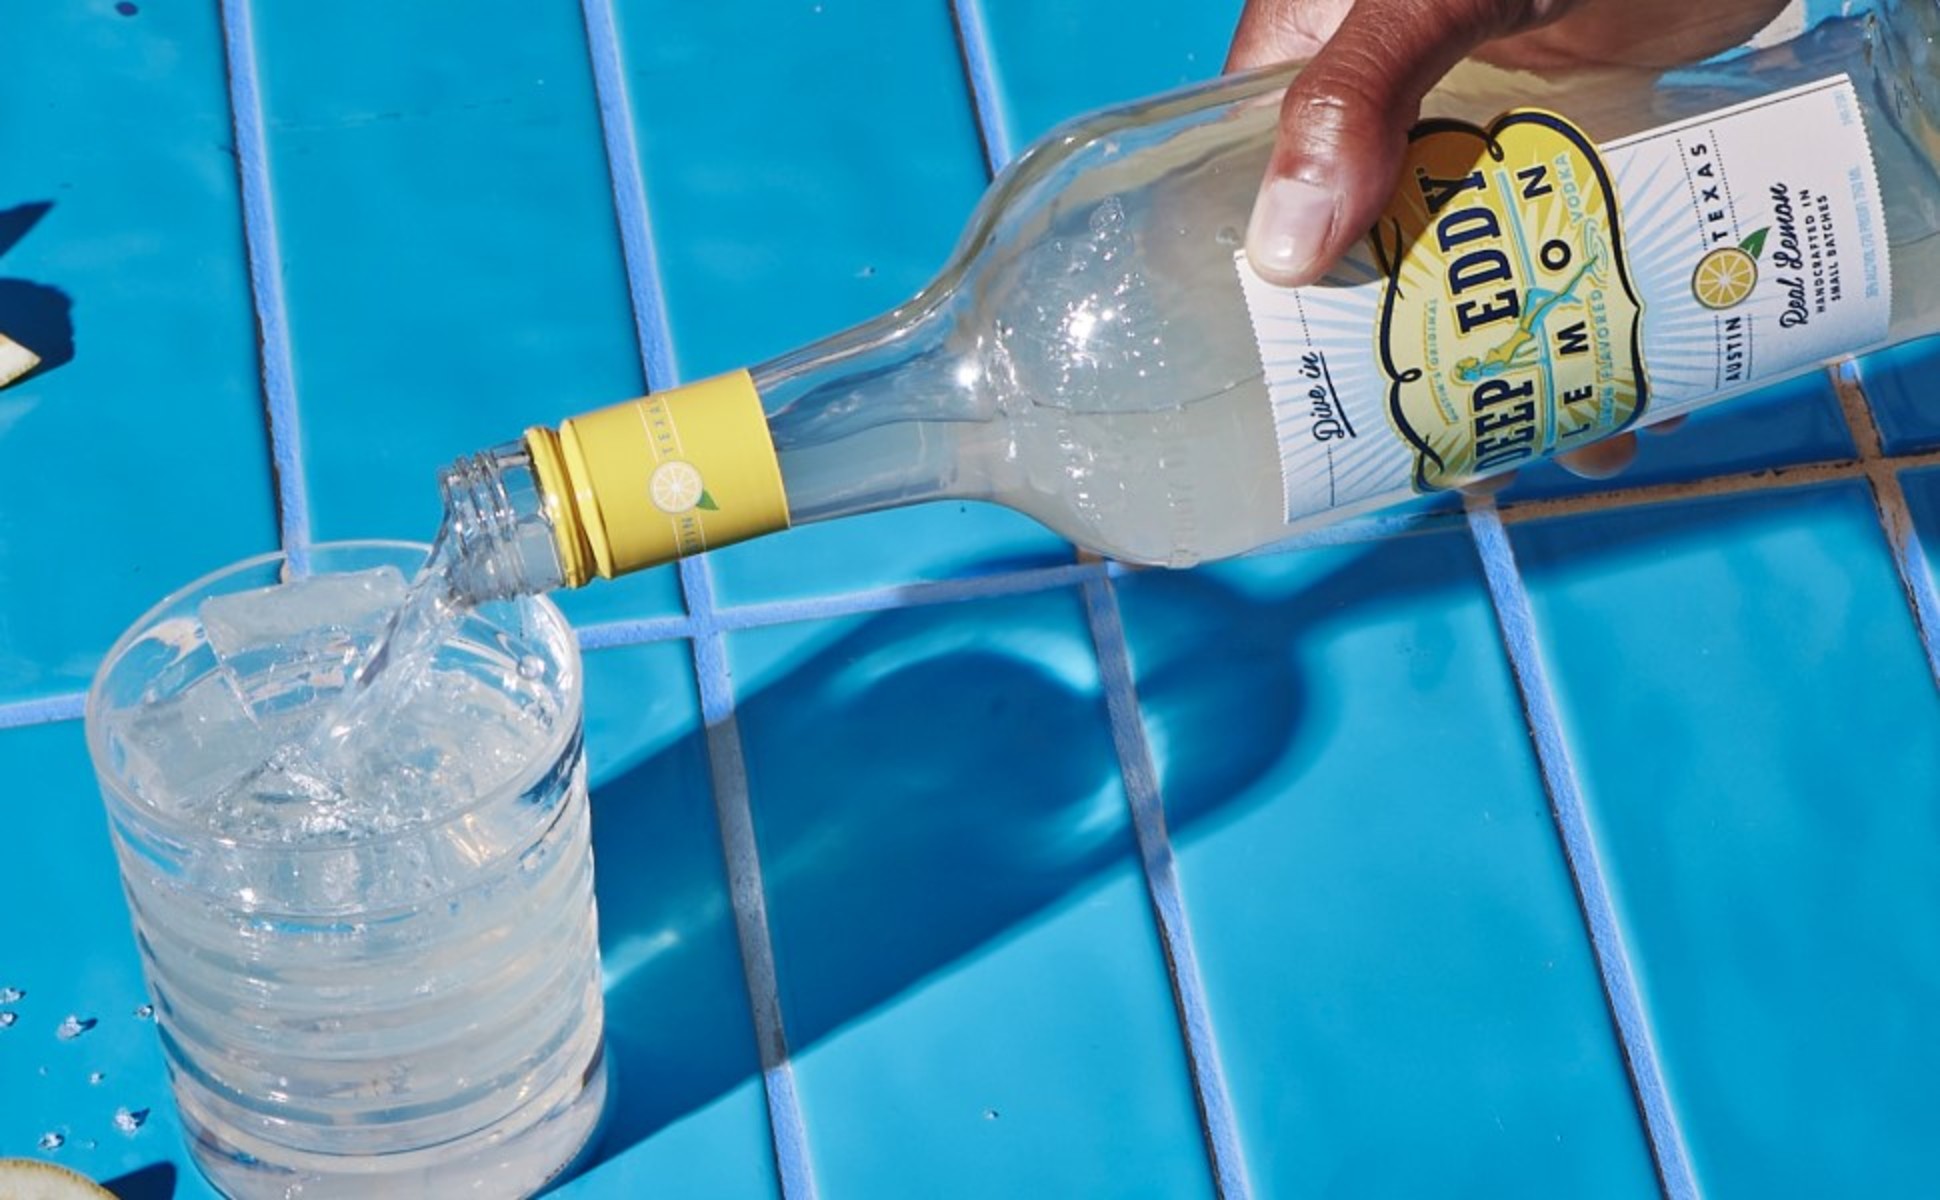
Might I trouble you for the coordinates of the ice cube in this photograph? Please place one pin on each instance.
(243, 621)
(181, 750)
(286, 798)
(283, 643)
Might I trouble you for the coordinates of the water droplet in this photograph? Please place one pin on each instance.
(1227, 237)
(72, 1027)
(127, 1120)
(10, 994)
(52, 1140)
(145, 1012)
(7, 1019)
(532, 667)
(126, 9)
(991, 1114)
(96, 1077)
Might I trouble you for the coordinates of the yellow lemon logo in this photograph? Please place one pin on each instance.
(1725, 277)
(676, 487)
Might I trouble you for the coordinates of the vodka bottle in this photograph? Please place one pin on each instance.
(1098, 354)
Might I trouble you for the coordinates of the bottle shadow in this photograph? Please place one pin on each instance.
(35, 315)
(156, 1181)
(883, 873)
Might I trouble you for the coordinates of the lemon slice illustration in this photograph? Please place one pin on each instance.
(675, 486)
(1724, 277)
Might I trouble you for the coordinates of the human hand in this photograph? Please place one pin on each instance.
(1345, 120)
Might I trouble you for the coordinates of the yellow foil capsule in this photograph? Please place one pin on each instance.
(674, 473)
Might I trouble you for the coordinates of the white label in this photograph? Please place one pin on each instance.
(1527, 292)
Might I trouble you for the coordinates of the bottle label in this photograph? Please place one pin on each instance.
(1530, 292)
(674, 473)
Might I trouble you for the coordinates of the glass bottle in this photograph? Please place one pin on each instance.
(1089, 356)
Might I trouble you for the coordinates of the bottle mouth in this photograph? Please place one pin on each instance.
(500, 527)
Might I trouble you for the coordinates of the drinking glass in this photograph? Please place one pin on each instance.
(358, 1002)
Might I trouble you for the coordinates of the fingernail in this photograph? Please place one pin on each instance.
(1290, 223)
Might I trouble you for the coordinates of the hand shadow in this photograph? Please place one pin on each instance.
(37, 316)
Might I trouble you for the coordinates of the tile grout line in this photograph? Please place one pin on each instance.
(844, 604)
(727, 765)
(44, 710)
(645, 631)
(1895, 517)
(747, 892)
(1143, 796)
(1147, 805)
(1360, 531)
(625, 174)
(264, 250)
(973, 41)
(1755, 480)
(1516, 621)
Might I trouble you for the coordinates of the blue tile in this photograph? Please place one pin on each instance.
(451, 261)
(976, 1083)
(1132, 48)
(69, 947)
(703, 1153)
(135, 459)
(969, 972)
(1391, 946)
(1798, 421)
(809, 166)
(1758, 737)
(1923, 499)
(1899, 382)
(687, 1079)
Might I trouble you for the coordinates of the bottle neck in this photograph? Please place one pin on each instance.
(880, 416)
(499, 538)
(877, 417)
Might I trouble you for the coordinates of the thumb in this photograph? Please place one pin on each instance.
(1344, 123)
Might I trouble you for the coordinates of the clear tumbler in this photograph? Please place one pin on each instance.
(359, 1002)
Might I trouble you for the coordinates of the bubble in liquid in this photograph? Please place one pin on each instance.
(10, 994)
(72, 1027)
(128, 1120)
(52, 1140)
